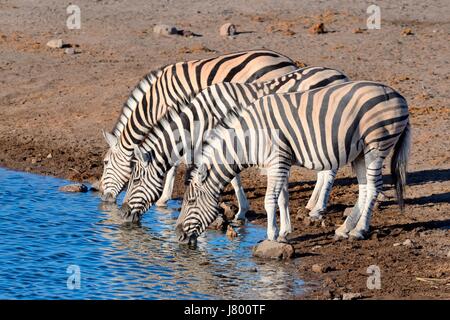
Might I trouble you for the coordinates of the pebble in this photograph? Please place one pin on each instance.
(231, 233)
(228, 29)
(273, 250)
(78, 187)
(229, 210)
(69, 51)
(351, 296)
(218, 224)
(320, 268)
(448, 254)
(407, 32)
(318, 28)
(49, 156)
(408, 243)
(165, 30)
(55, 43)
(397, 244)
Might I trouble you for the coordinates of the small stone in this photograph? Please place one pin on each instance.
(407, 32)
(231, 233)
(358, 30)
(49, 156)
(228, 29)
(448, 254)
(408, 243)
(204, 263)
(55, 43)
(397, 244)
(318, 28)
(69, 51)
(187, 33)
(252, 270)
(229, 210)
(33, 160)
(218, 224)
(78, 187)
(300, 64)
(165, 30)
(351, 296)
(307, 221)
(323, 224)
(374, 236)
(320, 268)
(273, 250)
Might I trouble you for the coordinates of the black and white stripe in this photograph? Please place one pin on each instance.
(166, 88)
(323, 129)
(182, 132)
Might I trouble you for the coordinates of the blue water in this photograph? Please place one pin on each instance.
(47, 236)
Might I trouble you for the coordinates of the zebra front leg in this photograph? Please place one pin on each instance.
(315, 194)
(275, 182)
(327, 180)
(168, 187)
(351, 221)
(285, 219)
(374, 186)
(242, 199)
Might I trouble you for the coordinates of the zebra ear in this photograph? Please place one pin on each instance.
(110, 139)
(202, 173)
(141, 156)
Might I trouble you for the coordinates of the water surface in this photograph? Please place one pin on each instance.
(43, 232)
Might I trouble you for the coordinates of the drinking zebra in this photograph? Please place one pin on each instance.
(165, 89)
(322, 129)
(182, 131)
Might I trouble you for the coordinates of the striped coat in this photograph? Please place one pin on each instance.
(181, 133)
(322, 129)
(164, 89)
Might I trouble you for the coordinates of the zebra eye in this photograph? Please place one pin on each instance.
(105, 162)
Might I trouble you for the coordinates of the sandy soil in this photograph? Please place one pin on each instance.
(55, 104)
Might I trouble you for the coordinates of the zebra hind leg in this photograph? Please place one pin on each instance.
(168, 187)
(285, 219)
(352, 219)
(374, 186)
(242, 199)
(320, 207)
(315, 194)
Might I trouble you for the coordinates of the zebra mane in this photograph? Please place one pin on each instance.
(134, 98)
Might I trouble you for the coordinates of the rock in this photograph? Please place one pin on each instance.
(229, 210)
(69, 51)
(231, 233)
(408, 243)
(273, 250)
(318, 28)
(228, 29)
(49, 156)
(55, 43)
(187, 33)
(204, 263)
(397, 244)
(165, 30)
(320, 268)
(358, 30)
(218, 224)
(323, 224)
(351, 296)
(448, 254)
(33, 160)
(78, 187)
(252, 270)
(407, 32)
(300, 64)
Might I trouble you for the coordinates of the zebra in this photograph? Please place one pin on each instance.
(182, 131)
(163, 89)
(321, 129)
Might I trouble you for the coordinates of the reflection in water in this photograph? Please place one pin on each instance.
(43, 231)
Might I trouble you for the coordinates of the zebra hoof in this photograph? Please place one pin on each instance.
(316, 215)
(340, 233)
(358, 234)
(282, 239)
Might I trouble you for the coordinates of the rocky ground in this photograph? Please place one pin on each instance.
(54, 102)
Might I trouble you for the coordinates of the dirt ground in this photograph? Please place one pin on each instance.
(53, 106)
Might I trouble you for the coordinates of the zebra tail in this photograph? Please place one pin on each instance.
(399, 163)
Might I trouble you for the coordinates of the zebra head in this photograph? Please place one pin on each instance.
(144, 188)
(199, 209)
(116, 170)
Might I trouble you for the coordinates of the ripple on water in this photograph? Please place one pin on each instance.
(44, 231)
